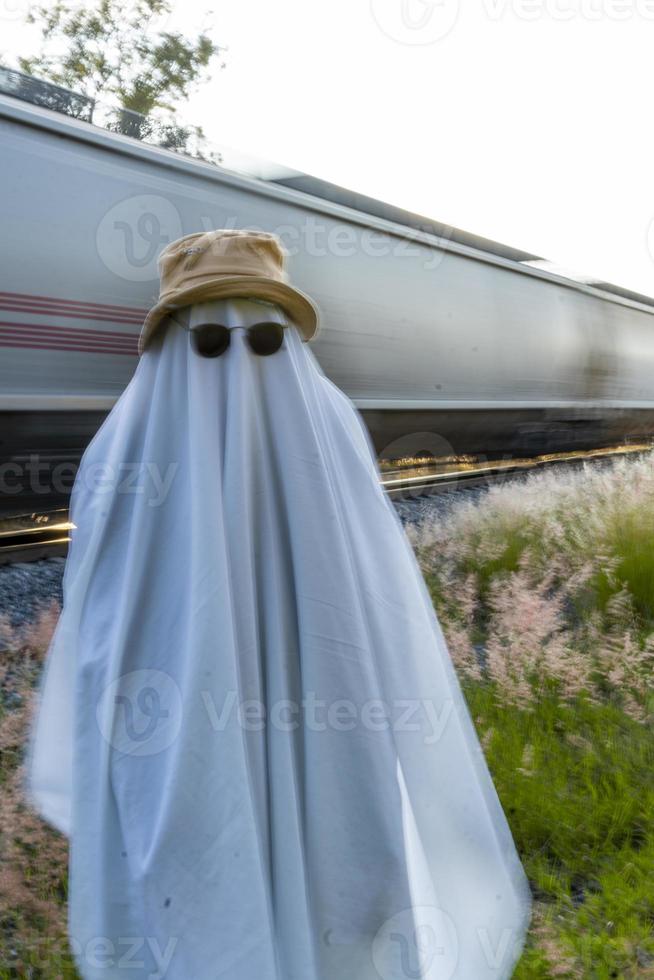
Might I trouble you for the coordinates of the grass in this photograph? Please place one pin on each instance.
(33, 858)
(545, 590)
(576, 784)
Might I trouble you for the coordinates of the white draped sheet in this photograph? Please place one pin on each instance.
(250, 726)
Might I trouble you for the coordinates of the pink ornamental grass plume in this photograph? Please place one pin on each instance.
(527, 644)
(549, 582)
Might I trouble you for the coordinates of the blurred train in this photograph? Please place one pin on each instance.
(446, 342)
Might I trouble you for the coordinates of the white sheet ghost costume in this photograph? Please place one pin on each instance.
(250, 726)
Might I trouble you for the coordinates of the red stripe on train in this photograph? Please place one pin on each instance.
(71, 314)
(64, 346)
(107, 336)
(73, 303)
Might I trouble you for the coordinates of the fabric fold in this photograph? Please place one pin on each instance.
(249, 724)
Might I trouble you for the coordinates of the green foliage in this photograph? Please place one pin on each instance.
(558, 574)
(118, 52)
(630, 537)
(577, 785)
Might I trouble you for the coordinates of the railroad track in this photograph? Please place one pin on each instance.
(30, 537)
(400, 485)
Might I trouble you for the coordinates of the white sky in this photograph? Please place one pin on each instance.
(527, 121)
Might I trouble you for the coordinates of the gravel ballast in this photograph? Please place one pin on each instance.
(29, 586)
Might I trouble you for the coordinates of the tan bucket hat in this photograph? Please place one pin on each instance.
(227, 263)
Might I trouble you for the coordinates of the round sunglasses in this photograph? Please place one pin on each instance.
(212, 339)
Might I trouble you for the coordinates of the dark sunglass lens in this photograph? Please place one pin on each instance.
(210, 340)
(266, 338)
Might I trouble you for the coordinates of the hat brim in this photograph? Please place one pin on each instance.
(301, 310)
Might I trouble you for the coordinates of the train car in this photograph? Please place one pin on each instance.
(447, 343)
